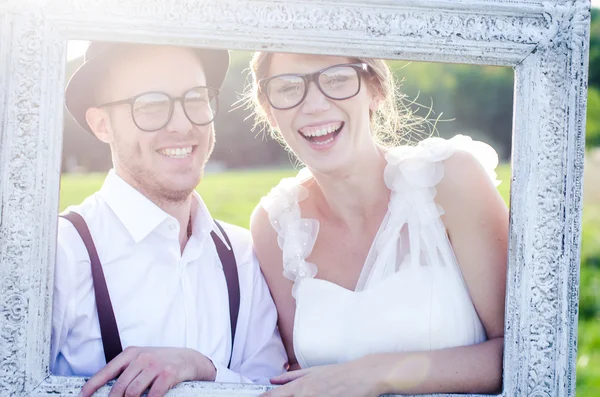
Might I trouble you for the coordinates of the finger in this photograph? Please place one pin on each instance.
(141, 383)
(161, 385)
(109, 372)
(129, 374)
(289, 376)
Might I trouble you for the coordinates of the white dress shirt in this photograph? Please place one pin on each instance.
(160, 296)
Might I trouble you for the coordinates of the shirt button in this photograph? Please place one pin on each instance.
(172, 227)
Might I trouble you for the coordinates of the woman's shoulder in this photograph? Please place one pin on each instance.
(285, 196)
(277, 224)
(459, 174)
(264, 237)
(437, 160)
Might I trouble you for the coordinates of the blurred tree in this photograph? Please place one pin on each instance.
(474, 100)
(594, 65)
(238, 145)
(592, 137)
(593, 104)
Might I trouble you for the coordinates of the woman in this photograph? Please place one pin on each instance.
(387, 264)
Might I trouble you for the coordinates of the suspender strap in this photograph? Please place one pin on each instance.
(106, 316)
(231, 277)
(108, 324)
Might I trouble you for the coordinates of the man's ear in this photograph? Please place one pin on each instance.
(99, 121)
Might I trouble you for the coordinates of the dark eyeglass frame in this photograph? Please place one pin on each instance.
(360, 67)
(172, 100)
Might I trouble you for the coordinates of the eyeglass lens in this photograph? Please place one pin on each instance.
(153, 110)
(338, 82)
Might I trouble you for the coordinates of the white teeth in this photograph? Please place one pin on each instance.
(324, 142)
(322, 131)
(176, 152)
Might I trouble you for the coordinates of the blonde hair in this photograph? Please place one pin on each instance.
(392, 124)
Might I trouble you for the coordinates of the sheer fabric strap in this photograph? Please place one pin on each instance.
(411, 173)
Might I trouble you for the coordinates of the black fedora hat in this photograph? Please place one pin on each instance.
(79, 94)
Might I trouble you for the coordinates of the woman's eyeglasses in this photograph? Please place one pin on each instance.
(337, 82)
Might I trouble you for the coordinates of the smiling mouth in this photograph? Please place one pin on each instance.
(323, 134)
(176, 153)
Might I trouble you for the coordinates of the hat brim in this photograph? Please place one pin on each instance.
(79, 93)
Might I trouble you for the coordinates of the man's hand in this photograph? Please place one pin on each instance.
(154, 368)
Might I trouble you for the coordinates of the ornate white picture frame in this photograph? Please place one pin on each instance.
(546, 42)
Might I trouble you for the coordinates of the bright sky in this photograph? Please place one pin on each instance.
(76, 48)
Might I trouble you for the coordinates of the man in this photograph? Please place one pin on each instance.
(165, 287)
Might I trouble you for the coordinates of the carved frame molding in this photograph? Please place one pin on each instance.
(546, 42)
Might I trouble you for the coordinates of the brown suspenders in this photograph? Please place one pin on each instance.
(231, 278)
(108, 325)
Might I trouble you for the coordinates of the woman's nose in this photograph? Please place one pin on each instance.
(315, 100)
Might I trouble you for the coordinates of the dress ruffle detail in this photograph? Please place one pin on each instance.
(411, 173)
(295, 235)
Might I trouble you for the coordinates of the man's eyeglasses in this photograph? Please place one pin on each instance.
(338, 82)
(152, 111)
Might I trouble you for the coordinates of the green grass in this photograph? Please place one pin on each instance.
(588, 358)
(588, 352)
(231, 197)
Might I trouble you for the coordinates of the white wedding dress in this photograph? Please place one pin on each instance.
(410, 295)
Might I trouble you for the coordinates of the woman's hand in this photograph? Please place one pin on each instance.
(354, 379)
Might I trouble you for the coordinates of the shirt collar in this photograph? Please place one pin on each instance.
(141, 216)
(203, 223)
(137, 213)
